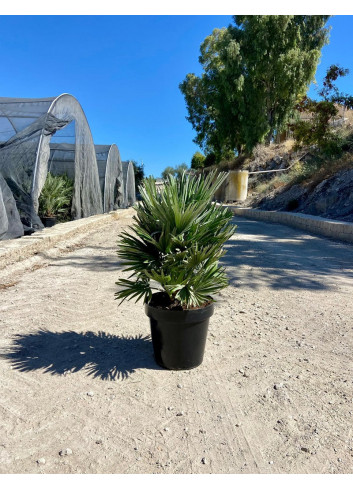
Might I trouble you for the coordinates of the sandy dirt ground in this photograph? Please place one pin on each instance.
(81, 393)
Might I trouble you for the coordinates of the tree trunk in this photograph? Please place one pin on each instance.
(270, 134)
(269, 138)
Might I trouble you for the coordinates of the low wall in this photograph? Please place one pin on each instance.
(313, 224)
(15, 250)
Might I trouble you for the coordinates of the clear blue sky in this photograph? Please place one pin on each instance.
(125, 72)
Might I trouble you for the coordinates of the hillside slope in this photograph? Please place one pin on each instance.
(311, 185)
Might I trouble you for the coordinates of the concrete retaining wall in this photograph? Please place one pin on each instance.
(15, 250)
(234, 188)
(317, 225)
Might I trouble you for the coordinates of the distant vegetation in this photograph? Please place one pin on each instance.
(175, 172)
(319, 129)
(198, 161)
(250, 110)
(255, 73)
(139, 174)
(311, 169)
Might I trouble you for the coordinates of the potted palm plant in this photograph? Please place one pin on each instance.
(55, 198)
(174, 247)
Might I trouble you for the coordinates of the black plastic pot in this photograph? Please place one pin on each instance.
(179, 337)
(48, 222)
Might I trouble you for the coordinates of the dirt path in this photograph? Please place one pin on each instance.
(274, 394)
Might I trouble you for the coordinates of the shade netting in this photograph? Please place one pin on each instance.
(27, 128)
(110, 176)
(129, 183)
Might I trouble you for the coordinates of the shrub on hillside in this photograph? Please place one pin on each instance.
(197, 161)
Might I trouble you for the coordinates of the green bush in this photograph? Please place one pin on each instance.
(347, 139)
(176, 242)
(56, 197)
(210, 160)
(302, 170)
(319, 130)
(332, 146)
(197, 161)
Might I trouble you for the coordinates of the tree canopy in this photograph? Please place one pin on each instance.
(318, 130)
(180, 169)
(139, 174)
(175, 172)
(169, 170)
(254, 72)
(197, 160)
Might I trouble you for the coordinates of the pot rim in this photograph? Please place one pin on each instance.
(187, 315)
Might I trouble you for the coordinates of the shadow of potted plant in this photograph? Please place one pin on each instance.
(174, 247)
(55, 199)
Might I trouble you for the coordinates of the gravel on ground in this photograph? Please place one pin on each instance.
(82, 394)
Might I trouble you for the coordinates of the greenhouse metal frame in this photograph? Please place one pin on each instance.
(31, 131)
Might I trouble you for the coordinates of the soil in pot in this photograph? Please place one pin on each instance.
(178, 335)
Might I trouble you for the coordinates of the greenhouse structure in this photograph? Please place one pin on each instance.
(52, 134)
(62, 161)
(129, 183)
(110, 176)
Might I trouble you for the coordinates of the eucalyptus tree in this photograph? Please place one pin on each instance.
(169, 170)
(254, 72)
(180, 169)
(177, 171)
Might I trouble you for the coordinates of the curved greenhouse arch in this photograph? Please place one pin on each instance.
(110, 176)
(129, 183)
(27, 127)
(61, 160)
(87, 198)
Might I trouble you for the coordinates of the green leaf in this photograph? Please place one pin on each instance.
(176, 241)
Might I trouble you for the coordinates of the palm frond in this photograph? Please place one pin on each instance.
(177, 240)
(56, 195)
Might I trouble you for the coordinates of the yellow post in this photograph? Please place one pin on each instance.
(238, 185)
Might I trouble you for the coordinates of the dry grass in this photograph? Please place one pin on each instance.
(261, 155)
(277, 182)
(115, 215)
(307, 173)
(38, 266)
(329, 168)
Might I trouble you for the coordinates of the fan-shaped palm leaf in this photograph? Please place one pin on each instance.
(176, 241)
